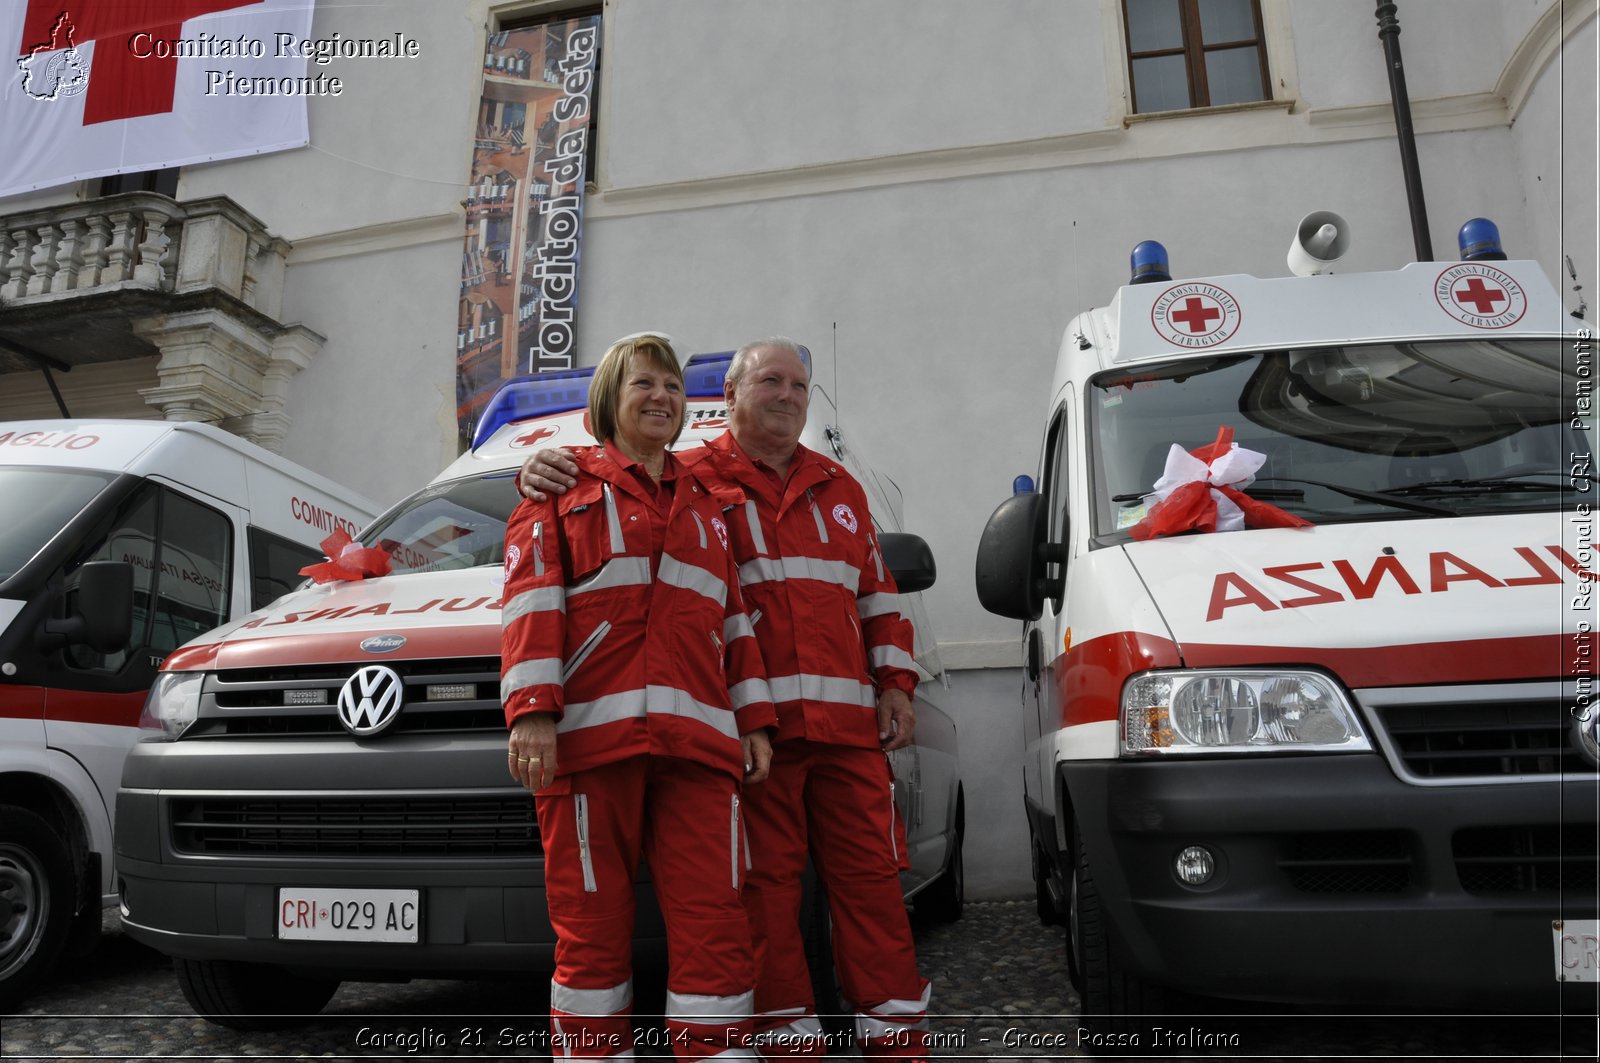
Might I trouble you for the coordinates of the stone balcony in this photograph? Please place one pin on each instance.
(197, 284)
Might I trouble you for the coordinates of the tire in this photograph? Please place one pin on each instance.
(1113, 999)
(1043, 902)
(945, 899)
(37, 897)
(250, 996)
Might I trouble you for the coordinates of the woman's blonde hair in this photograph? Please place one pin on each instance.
(606, 386)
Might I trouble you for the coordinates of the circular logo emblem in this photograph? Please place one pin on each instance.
(1195, 315)
(1479, 295)
(1586, 735)
(846, 519)
(383, 643)
(721, 529)
(370, 700)
(513, 558)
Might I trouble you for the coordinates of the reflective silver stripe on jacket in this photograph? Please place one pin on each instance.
(618, 572)
(698, 523)
(685, 576)
(591, 1002)
(805, 687)
(613, 520)
(635, 704)
(881, 604)
(749, 692)
(753, 520)
(735, 627)
(765, 569)
(540, 671)
(706, 1010)
(822, 525)
(538, 600)
(891, 657)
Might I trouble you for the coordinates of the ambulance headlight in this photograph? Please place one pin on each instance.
(172, 704)
(1216, 711)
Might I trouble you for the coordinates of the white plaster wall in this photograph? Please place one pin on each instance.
(796, 84)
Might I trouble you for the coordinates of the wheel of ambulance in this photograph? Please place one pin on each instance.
(250, 996)
(945, 900)
(1111, 998)
(36, 901)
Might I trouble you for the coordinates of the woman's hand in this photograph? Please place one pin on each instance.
(757, 755)
(531, 752)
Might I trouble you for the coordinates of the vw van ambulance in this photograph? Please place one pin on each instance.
(1308, 579)
(119, 541)
(322, 794)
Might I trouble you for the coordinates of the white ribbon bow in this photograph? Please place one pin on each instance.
(1237, 469)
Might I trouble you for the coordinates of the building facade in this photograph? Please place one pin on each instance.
(922, 191)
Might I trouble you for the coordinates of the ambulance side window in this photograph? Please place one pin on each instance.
(182, 562)
(1055, 492)
(275, 564)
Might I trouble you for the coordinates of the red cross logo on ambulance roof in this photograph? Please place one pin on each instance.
(1195, 315)
(1477, 294)
(542, 432)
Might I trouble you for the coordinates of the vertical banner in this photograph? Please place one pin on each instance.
(519, 268)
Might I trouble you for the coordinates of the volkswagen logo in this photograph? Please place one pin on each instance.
(1586, 730)
(370, 700)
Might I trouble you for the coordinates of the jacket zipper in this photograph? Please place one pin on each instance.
(584, 650)
(822, 527)
(733, 840)
(894, 847)
(581, 809)
(701, 525)
(538, 548)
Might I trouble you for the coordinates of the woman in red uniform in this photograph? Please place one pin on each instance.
(637, 705)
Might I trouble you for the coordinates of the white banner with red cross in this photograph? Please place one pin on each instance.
(98, 87)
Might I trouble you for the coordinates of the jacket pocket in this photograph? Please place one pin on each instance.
(582, 653)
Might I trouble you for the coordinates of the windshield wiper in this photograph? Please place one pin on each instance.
(1484, 485)
(1383, 499)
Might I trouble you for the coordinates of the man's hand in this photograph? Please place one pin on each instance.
(547, 470)
(531, 752)
(897, 720)
(757, 755)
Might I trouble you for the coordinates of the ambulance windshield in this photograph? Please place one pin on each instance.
(35, 504)
(459, 524)
(1375, 432)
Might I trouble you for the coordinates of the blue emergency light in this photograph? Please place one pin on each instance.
(1149, 263)
(1022, 485)
(523, 398)
(1479, 239)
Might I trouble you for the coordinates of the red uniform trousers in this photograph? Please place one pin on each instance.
(685, 819)
(835, 802)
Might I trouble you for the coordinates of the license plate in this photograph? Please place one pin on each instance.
(1577, 950)
(348, 915)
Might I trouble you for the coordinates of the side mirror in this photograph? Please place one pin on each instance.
(909, 558)
(1013, 557)
(103, 615)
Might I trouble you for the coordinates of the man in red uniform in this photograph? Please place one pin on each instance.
(838, 657)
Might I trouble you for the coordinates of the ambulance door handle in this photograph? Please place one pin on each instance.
(1035, 654)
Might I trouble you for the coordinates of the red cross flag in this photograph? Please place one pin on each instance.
(97, 87)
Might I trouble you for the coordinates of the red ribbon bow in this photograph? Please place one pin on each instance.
(1201, 491)
(347, 560)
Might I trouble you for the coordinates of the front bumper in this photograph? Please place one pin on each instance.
(1337, 882)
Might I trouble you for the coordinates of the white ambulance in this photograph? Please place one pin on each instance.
(1353, 761)
(323, 794)
(119, 541)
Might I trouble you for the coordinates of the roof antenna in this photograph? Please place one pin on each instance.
(1576, 287)
(836, 395)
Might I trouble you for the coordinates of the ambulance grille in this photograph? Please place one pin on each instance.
(1548, 858)
(299, 701)
(1485, 739)
(1349, 862)
(422, 827)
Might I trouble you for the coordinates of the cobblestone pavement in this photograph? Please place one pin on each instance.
(1000, 992)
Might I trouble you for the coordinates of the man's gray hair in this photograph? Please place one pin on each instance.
(781, 343)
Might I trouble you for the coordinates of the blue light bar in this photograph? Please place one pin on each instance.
(1479, 240)
(1022, 485)
(543, 394)
(1149, 263)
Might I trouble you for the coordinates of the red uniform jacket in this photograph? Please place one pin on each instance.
(634, 653)
(825, 609)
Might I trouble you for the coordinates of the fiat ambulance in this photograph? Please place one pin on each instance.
(119, 541)
(1307, 577)
(324, 795)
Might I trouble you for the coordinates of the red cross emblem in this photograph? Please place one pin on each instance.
(1195, 314)
(122, 84)
(543, 432)
(1479, 295)
(1482, 297)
